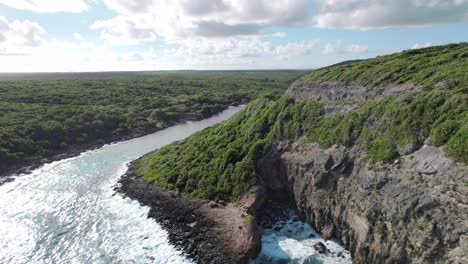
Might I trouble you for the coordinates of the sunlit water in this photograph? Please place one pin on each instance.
(67, 211)
(294, 244)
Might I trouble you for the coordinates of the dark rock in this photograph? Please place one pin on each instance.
(213, 204)
(375, 213)
(190, 224)
(320, 247)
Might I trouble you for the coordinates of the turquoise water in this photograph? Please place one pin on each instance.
(67, 212)
(294, 244)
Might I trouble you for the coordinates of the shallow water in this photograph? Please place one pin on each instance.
(293, 244)
(67, 212)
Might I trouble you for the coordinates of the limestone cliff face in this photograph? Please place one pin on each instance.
(412, 211)
(337, 90)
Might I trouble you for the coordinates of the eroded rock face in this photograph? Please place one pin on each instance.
(342, 97)
(338, 90)
(414, 210)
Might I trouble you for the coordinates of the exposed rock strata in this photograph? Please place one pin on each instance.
(412, 211)
(415, 211)
(337, 90)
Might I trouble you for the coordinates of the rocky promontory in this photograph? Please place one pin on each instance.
(207, 231)
(373, 153)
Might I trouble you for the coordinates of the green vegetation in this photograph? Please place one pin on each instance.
(219, 162)
(434, 67)
(423, 225)
(388, 125)
(382, 229)
(249, 219)
(46, 115)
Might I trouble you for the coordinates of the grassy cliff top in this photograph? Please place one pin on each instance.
(446, 66)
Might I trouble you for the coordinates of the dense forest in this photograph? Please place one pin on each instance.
(45, 115)
(219, 162)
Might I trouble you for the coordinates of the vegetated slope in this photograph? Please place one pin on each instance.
(429, 67)
(40, 118)
(220, 162)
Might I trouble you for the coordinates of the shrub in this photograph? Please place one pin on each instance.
(382, 149)
(457, 146)
(442, 133)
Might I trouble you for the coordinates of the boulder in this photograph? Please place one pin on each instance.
(320, 247)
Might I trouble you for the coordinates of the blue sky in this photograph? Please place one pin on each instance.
(130, 35)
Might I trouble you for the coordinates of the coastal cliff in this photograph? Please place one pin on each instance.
(411, 211)
(372, 153)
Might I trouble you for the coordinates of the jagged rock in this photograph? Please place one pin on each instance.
(411, 213)
(213, 204)
(320, 247)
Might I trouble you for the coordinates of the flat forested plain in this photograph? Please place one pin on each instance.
(45, 114)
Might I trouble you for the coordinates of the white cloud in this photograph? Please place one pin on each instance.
(78, 36)
(369, 14)
(121, 30)
(336, 48)
(181, 19)
(298, 48)
(237, 50)
(330, 49)
(279, 34)
(17, 34)
(48, 6)
(227, 48)
(354, 48)
(420, 46)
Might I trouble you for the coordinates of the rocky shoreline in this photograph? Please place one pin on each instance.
(207, 231)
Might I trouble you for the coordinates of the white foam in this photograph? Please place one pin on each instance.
(294, 243)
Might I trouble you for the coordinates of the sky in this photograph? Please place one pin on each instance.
(136, 35)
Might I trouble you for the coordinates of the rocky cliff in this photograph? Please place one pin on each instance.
(372, 152)
(413, 210)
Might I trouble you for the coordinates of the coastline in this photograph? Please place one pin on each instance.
(207, 232)
(27, 166)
